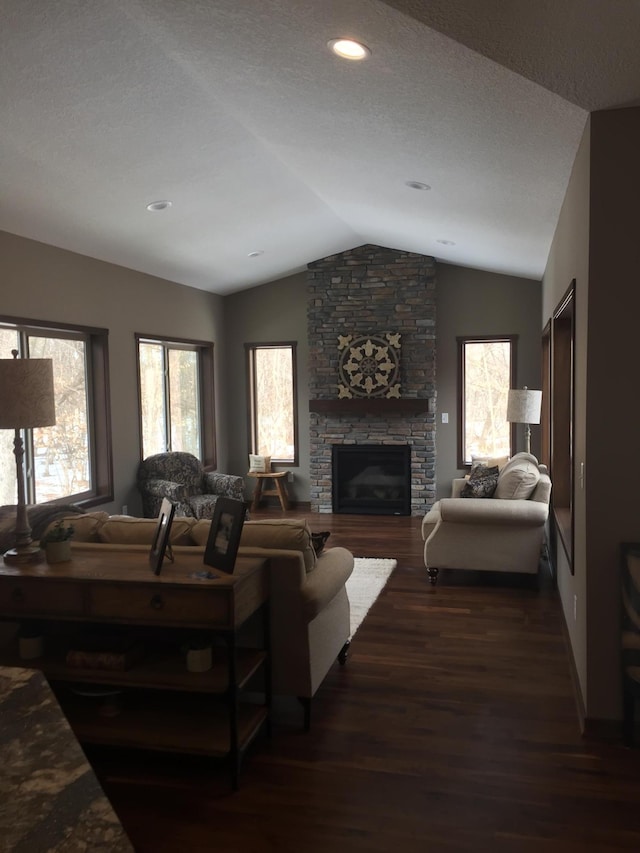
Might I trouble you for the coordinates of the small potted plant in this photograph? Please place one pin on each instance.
(57, 542)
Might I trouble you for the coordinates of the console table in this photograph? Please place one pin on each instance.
(162, 706)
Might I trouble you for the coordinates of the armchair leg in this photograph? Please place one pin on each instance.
(433, 575)
(305, 701)
(343, 653)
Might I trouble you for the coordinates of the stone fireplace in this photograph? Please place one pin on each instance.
(366, 291)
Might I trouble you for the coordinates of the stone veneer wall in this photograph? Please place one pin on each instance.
(370, 290)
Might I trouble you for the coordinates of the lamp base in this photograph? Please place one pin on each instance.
(23, 555)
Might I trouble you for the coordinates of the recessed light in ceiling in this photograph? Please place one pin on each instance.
(446, 242)
(417, 185)
(349, 49)
(159, 205)
(256, 253)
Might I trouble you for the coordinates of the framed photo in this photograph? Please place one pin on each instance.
(224, 535)
(161, 535)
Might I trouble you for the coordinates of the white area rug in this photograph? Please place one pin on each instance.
(367, 581)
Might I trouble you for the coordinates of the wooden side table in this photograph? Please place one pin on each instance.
(278, 489)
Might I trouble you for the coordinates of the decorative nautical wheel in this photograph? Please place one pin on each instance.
(369, 365)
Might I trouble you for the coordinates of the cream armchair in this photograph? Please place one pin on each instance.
(504, 533)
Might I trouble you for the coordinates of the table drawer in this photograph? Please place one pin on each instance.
(21, 596)
(132, 603)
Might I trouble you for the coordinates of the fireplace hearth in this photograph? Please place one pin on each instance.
(371, 479)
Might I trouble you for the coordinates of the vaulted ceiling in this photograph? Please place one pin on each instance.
(274, 152)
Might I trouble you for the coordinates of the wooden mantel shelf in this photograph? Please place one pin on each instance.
(373, 405)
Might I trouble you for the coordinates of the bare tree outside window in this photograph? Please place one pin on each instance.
(487, 373)
(58, 459)
(170, 397)
(272, 394)
(61, 452)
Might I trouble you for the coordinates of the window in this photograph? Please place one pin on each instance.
(487, 371)
(273, 424)
(175, 386)
(71, 460)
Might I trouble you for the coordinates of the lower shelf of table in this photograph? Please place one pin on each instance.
(184, 723)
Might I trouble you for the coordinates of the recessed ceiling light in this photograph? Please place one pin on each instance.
(417, 185)
(256, 253)
(446, 242)
(159, 205)
(349, 49)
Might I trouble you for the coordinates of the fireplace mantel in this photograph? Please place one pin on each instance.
(371, 406)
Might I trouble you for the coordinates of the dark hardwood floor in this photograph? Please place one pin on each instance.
(453, 727)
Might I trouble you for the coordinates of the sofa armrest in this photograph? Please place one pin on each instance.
(296, 593)
(225, 485)
(321, 585)
(495, 511)
(165, 489)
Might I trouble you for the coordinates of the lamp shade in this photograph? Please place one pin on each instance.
(26, 393)
(524, 406)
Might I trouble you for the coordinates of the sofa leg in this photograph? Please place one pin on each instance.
(433, 575)
(343, 653)
(305, 701)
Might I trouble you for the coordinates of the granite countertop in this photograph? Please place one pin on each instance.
(50, 799)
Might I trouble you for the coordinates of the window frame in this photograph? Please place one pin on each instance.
(250, 350)
(462, 341)
(206, 391)
(98, 409)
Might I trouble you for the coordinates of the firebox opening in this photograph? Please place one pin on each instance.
(371, 479)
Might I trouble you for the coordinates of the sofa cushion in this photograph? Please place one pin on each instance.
(482, 482)
(283, 534)
(290, 534)
(127, 530)
(518, 478)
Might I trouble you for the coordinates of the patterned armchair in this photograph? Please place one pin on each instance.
(182, 478)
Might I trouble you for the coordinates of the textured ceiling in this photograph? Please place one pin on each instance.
(264, 141)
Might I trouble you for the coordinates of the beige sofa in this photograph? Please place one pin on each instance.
(502, 533)
(309, 607)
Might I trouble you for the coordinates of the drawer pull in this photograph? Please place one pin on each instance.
(157, 602)
(17, 595)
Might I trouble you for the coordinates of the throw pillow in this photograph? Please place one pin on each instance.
(259, 464)
(482, 482)
(518, 478)
(318, 540)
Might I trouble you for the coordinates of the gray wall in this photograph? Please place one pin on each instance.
(468, 302)
(596, 243)
(40, 282)
(471, 302)
(267, 314)
(568, 260)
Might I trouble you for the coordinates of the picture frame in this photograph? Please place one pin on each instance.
(224, 535)
(160, 540)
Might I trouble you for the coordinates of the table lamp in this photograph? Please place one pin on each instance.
(523, 407)
(27, 401)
